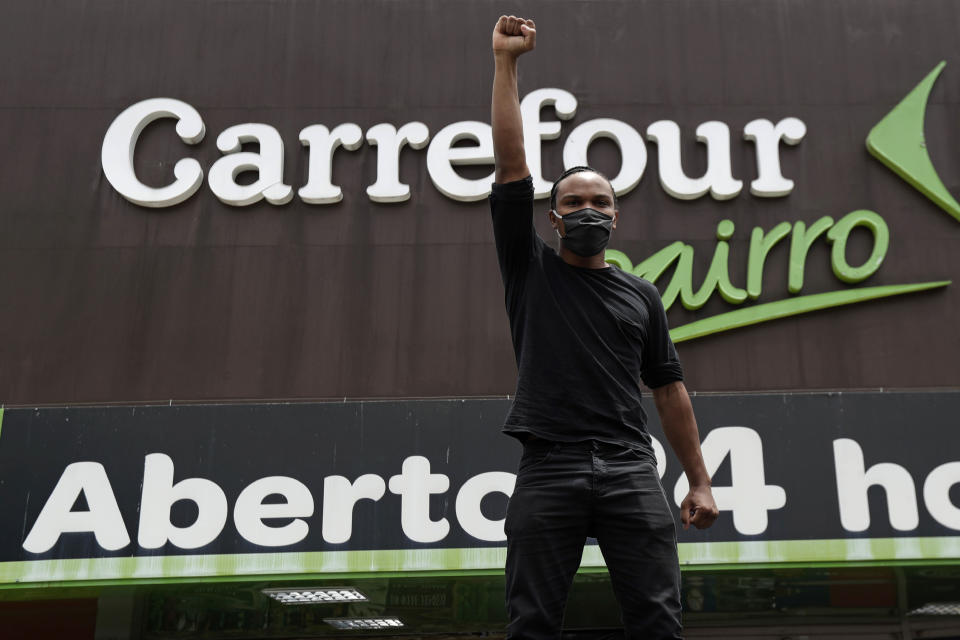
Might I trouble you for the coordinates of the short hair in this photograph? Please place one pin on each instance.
(570, 172)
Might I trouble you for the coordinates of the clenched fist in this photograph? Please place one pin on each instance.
(514, 36)
(698, 508)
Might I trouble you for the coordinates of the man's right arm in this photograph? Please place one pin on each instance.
(512, 37)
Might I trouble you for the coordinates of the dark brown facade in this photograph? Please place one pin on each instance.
(106, 301)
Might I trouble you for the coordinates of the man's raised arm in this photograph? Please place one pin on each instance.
(512, 37)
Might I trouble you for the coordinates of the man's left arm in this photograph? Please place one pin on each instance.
(680, 427)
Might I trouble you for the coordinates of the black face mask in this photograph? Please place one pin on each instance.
(588, 231)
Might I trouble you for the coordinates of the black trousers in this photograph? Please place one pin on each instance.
(567, 492)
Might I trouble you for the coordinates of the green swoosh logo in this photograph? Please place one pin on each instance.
(791, 307)
(897, 141)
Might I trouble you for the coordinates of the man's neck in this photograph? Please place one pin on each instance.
(589, 262)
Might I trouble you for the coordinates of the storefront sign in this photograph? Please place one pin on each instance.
(414, 485)
(677, 258)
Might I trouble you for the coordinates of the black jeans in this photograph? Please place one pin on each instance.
(567, 492)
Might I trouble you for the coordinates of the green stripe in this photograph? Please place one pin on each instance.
(1, 420)
(752, 554)
(791, 307)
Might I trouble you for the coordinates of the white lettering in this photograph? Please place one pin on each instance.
(661, 455)
(936, 494)
(718, 178)
(853, 482)
(632, 150)
(159, 494)
(535, 130)
(102, 518)
(339, 496)
(249, 512)
(749, 497)
(471, 494)
(120, 142)
(389, 141)
(267, 162)
(766, 137)
(414, 486)
(322, 143)
(442, 156)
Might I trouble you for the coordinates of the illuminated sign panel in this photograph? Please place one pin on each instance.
(418, 485)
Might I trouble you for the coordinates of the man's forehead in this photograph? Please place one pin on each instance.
(584, 183)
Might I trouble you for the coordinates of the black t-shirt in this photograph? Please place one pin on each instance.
(583, 338)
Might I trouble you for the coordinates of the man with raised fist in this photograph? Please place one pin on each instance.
(585, 334)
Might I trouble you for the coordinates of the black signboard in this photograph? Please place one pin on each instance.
(92, 492)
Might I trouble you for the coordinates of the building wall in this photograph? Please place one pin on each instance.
(108, 301)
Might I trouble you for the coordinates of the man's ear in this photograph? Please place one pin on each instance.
(616, 214)
(554, 219)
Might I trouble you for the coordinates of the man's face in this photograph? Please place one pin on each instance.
(583, 190)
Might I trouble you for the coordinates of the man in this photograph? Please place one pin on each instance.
(584, 334)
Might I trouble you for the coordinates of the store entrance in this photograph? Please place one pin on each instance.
(782, 603)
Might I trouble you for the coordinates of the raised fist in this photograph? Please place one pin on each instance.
(514, 36)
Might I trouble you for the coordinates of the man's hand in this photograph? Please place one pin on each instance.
(513, 36)
(698, 508)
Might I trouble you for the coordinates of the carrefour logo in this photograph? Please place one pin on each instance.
(897, 141)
